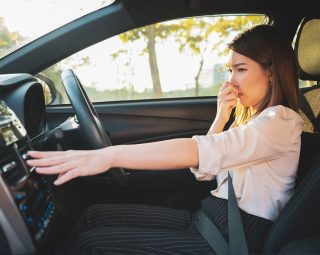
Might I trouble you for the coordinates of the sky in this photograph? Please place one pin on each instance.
(177, 70)
(35, 17)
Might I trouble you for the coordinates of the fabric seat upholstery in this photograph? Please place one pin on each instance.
(310, 108)
(300, 217)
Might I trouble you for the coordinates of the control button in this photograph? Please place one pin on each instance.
(25, 156)
(19, 196)
(45, 223)
(40, 194)
(24, 207)
(9, 166)
(38, 235)
(30, 219)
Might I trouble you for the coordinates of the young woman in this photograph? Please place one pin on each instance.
(260, 150)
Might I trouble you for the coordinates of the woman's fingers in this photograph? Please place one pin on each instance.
(46, 161)
(228, 90)
(49, 158)
(56, 169)
(73, 173)
(229, 97)
(63, 178)
(225, 87)
(46, 154)
(231, 103)
(69, 164)
(230, 100)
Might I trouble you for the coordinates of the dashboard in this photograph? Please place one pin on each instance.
(27, 208)
(24, 95)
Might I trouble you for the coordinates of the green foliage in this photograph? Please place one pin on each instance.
(195, 36)
(190, 32)
(54, 73)
(8, 39)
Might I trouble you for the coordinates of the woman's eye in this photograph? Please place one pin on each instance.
(229, 70)
(241, 70)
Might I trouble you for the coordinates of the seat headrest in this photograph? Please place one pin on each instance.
(307, 48)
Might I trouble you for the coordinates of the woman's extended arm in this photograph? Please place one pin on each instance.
(164, 155)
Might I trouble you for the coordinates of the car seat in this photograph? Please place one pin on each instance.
(299, 219)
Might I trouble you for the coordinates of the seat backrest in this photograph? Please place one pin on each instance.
(310, 108)
(307, 49)
(300, 217)
(310, 147)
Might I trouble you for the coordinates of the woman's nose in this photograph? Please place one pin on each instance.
(233, 81)
(232, 78)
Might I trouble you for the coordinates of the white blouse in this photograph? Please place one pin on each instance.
(262, 157)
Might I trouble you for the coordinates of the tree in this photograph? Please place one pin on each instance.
(194, 35)
(8, 39)
(150, 34)
(127, 63)
(54, 74)
(197, 36)
(203, 35)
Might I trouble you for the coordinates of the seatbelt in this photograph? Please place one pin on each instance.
(309, 113)
(230, 121)
(211, 233)
(237, 241)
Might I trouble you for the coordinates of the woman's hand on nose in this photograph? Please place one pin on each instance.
(227, 100)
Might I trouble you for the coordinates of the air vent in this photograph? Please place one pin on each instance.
(11, 168)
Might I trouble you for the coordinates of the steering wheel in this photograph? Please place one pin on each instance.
(90, 125)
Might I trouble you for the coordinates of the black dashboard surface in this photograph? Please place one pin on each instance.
(23, 93)
(27, 208)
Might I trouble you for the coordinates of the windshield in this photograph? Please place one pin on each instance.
(22, 21)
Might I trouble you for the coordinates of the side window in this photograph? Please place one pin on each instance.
(172, 59)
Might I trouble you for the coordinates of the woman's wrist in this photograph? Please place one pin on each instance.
(109, 156)
(217, 126)
(221, 120)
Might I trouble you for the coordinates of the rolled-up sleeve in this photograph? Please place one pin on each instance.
(266, 137)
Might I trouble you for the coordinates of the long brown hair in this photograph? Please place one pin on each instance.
(267, 46)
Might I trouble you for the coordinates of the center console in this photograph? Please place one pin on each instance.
(27, 208)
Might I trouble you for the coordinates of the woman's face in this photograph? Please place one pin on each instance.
(251, 81)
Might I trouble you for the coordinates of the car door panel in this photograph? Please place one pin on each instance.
(136, 122)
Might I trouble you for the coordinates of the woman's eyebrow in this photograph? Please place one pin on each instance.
(235, 65)
(238, 64)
